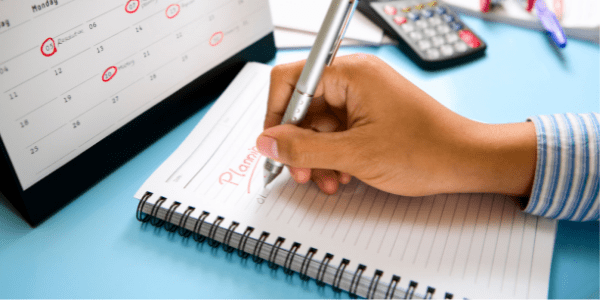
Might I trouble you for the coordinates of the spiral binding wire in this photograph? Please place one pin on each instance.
(154, 220)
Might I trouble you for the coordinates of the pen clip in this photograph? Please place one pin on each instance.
(340, 36)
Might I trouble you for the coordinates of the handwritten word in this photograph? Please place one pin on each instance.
(127, 64)
(236, 176)
(70, 36)
(48, 3)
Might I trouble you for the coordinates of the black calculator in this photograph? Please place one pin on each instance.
(429, 32)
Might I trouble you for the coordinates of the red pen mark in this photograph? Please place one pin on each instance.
(216, 38)
(109, 73)
(172, 11)
(132, 6)
(252, 173)
(48, 47)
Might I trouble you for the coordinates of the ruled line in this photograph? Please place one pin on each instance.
(462, 227)
(102, 14)
(14, 87)
(107, 128)
(485, 236)
(58, 64)
(412, 227)
(400, 228)
(424, 228)
(23, 116)
(34, 47)
(311, 204)
(449, 228)
(537, 219)
(46, 135)
(471, 241)
(104, 40)
(437, 228)
(299, 202)
(50, 165)
(13, 27)
(80, 84)
(378, 219)
(512, 228)
(388, 225)
(355, 213)
(496, 244)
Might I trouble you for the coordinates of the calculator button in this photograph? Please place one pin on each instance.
(421, 24)
(443, 29)
(456, 26)
(429, 32)
(468, 37)
(408, 27)
(451, 37)
(460, 47)
(415, 35)
(427, 13)
(433, 53)
(419, 6)
(412, 16)
(406, 9)
(399, 20)
(448, 18)
(438, 41)
(434, 21)
(424, 44)
(390, 10)
(446, 50)
(440, 10)
(432, 3)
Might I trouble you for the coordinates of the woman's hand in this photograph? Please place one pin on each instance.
(368, 121)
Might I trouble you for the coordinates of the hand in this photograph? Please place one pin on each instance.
(368, 121)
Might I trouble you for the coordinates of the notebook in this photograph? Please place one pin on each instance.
(361, 240)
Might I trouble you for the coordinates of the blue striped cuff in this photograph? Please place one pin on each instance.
(566, 180)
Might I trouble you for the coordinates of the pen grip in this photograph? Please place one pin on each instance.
(297, 108)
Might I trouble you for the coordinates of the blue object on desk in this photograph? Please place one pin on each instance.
(550, 23)
(95, 248)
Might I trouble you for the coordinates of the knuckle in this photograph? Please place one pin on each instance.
(296, 153)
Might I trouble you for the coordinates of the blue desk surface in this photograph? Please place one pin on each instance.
(95, 248)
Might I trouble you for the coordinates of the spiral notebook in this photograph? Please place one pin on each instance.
(361, 240)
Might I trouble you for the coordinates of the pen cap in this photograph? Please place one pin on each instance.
(331, 31)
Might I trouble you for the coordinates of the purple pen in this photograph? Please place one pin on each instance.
(550, 23)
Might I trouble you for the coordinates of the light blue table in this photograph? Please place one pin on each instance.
(95, 248)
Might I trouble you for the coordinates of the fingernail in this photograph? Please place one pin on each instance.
(267, 146)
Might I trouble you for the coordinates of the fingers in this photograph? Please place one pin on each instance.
(305, 148)
(283, 82)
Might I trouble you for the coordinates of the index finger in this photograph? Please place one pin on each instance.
(283, 83)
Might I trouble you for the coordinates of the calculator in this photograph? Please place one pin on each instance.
(429, 32)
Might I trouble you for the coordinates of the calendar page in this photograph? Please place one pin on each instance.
(74, 71)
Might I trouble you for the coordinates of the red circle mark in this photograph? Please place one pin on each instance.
(47, 54)
(136, 6)
(111, 76)
(167, 11)
(218, 36)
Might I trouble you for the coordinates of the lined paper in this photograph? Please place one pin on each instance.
(470, 245)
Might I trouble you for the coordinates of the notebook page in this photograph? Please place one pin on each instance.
(471, 245)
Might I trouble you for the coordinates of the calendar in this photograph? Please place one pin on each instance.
(74, 71)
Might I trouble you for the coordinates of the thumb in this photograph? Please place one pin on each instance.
(305, 148)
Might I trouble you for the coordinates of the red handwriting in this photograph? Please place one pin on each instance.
(235, 176)
(172, 11)
(216, 38)
(132, 6)
(109, 73)
(48, 47)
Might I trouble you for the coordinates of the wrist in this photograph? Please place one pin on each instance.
(503, 158)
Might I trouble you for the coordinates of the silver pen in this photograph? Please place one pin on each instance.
(322, 53)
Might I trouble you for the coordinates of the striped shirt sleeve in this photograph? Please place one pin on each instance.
(566, 184)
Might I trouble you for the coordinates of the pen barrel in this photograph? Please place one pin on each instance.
(297, 108)
(325, 44)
